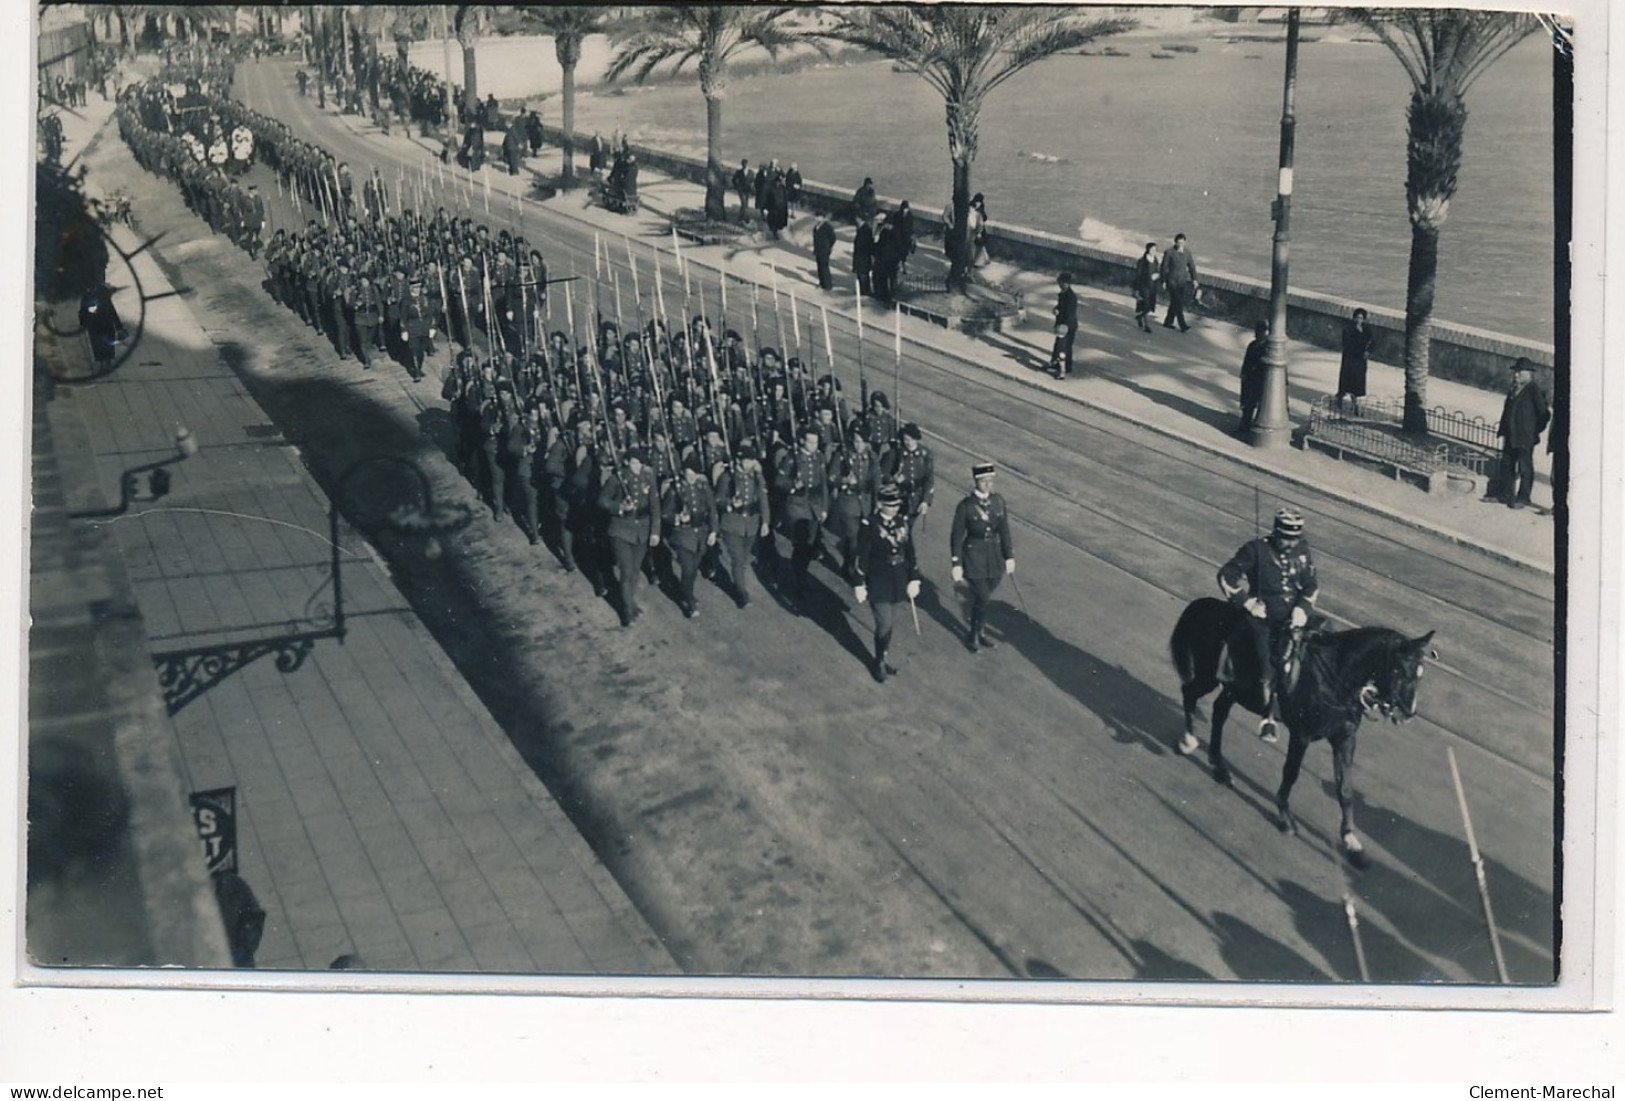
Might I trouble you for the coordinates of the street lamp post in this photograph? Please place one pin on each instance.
(1274, 426)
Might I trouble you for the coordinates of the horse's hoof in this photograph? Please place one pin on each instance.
(1354, 851)
(1286, 823)
(1221, 775)
(1187, 745)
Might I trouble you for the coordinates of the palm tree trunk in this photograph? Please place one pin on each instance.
(1419, 286)
(959, 246)
(567, 121)
(471, 78)
(715, 183)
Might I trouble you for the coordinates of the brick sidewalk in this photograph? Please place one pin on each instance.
(362, 829)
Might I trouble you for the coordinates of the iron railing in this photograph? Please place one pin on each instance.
(1468, 444)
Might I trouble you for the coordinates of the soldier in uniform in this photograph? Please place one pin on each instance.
(886, 570)
(854, 476)
(1273, 578)
(367, 307)
(742, 497)
(980, 551)
(804, 481)
(417, 329)
(632, 500)
(912, 469)
(691, 510)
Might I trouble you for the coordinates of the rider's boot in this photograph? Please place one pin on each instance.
(1267, 730)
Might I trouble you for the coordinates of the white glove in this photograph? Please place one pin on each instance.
(431, 334)
(1010, 565)
(711, 539)
(959, 574)
(403, 334)
(1255, 606)
(1300, 618)
(861, 593)
(913, 589)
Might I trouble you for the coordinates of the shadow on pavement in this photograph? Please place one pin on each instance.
(1136, 713)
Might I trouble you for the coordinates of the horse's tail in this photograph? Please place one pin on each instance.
(1197, 639)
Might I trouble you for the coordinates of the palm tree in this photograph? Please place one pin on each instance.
(965, 51)
(712, 36)
(569, 24)
(468, 24)
(1442, 51)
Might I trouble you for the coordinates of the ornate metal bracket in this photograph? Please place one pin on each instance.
(184, 675)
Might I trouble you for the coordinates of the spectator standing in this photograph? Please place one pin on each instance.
(863, 257)
(1252, 376)
(865, 206)
(1066, 327)
(792, 186)
(1524, 416)
(823, 237)
(976, 231)
(741, 182)
(1357, 339)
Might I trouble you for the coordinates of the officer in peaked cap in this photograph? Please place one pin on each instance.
(980, 551)
(886, 570)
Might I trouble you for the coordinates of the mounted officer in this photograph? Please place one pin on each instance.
(1273, 578)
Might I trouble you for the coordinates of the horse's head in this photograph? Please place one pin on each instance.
(1392, 688)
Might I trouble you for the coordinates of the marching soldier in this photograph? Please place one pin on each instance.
(886, 570)
(805, 483)
(417, 329)
(367, 307)
(912, 469)
(854, 476)
(691, 510)
(742, 496)
(1273, 578)
(631, 499)
(980, 551)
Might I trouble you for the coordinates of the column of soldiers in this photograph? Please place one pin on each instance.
(637, 449)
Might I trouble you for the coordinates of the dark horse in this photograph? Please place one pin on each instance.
(1343, 677)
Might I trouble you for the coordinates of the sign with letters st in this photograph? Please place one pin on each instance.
(215, 814)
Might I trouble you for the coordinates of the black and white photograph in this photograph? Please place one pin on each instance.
(948, 502)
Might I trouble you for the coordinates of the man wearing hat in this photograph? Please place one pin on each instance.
(912, 469)
(1524, 416)
(854, 476)
(1066, 327)
(804, 481)
(691, 510)
(742, 497)
(886, 571)
(980, 550)
(1273, 578)
(632, 500)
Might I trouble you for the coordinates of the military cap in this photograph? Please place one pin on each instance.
(982, 470)
(912, 431)
(746, 450)
(694, 463)
(879, 398)
(1288, 522)
(637, 453)
(889, 495)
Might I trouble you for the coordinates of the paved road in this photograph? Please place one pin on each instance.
(1013, 814)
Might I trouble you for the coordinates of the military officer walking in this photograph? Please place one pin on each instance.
(886, 570)
(691, 509)
(742, 498)
(980, 551)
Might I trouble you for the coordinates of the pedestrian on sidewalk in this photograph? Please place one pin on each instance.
(1066, 327)
(792, 186)
(1357, 337)
(1147, 273)
(1524, 416)
(533, 131)
(1179, 276)
(865, 206)
(741, 182)
(823, 237)
(863, 257)
(980, 551)
(976, 231)
(886, 570)
(1252, 376)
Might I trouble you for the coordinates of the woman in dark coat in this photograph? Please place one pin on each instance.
(1356, 347)
(1145, 286)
